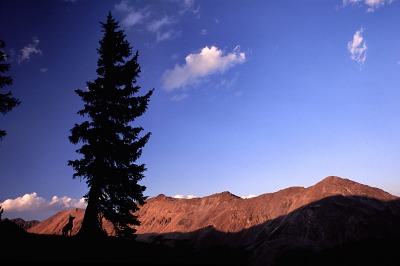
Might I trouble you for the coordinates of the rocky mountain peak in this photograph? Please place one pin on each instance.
(225, 195)
(335, 185)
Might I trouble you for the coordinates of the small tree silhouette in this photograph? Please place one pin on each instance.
(111, 145)
(7, 102)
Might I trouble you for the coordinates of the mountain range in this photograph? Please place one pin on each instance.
(331, 214)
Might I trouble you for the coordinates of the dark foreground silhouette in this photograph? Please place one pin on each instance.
(19, 246)
(67, 229)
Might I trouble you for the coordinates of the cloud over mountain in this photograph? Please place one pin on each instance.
(33, 203)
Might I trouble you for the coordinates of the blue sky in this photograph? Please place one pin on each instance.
(250, 96)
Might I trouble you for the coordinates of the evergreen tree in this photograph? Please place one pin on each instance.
(7, 102)
(110, 145)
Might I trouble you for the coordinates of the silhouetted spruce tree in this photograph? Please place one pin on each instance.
(7, 102)
(110, 145)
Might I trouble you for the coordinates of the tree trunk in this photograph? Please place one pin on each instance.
(92, 225)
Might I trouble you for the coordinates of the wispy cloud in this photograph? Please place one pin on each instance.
(179, 97)
(358, 47)
(189, 6)
(180, 196)
(131, 16)
(157, 24)
(33, 203)
(29, 49)
(371, 5)
(167, 35)
(197, 66)
(161, 26)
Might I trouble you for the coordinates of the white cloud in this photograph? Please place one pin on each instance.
(208, 61)
(371, 5)
(33, 203)
(28, 50)
(180, 196)
(358, 47)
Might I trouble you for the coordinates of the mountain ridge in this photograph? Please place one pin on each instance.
(291, 197)
(333, 211)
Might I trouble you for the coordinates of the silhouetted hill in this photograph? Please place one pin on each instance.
(8, 229)
(299, 221)
(24, 224)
